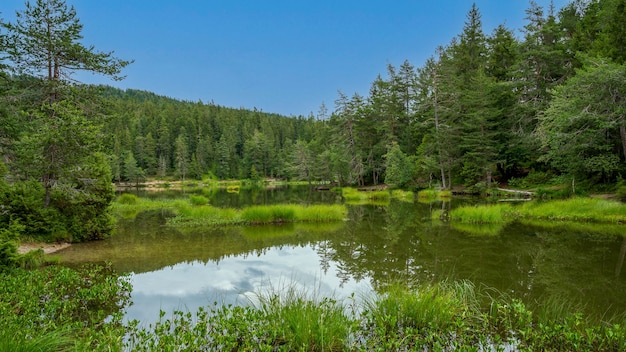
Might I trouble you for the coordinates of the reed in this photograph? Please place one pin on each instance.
(265, 214)
(357, 197)
(428, 317)
(198, 200)
(128, 209)
(321, 213)
(189, 215)
(202, 215)
(576, 209)
(432, 195)
(128, 199)
(491, 214)
(402, 195)
(427, 307)
(49, 342)
(305, 322)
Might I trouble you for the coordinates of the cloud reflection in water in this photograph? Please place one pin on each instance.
(187, 286)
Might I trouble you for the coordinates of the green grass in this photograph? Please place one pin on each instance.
(428, 317)
(490, 214)
(432, 195)
(428, 307)
(266, 214)
(403, 195)
(195, 211)
(54, 341)
(198, 200)
(357, 197)
(304, 321)
(582, 210)
(576, 209)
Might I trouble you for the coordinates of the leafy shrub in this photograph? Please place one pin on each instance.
(85, 304)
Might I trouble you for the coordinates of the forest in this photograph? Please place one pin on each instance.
(540, 102)
(485, 108)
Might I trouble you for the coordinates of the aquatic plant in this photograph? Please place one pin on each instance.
(402, 195)
(358, 197)
(198, 200)
(265, 214)
(580, 209)
(127, 198)
(443, 316)
(432, 195)
(573, 209)
(490, 214)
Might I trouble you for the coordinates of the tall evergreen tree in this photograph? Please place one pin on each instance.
(45, 41)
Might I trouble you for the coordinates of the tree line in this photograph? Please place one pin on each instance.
(483, 108)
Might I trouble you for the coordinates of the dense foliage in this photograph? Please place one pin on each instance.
(484, 108)
(62, 309)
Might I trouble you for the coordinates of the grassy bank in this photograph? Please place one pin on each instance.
(195, 211)
(62, 309)
(447, 316)
(589, 210)
(432, 195)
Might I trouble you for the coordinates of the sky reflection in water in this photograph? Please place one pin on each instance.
(235, 280)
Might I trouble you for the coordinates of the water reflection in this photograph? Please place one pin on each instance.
(236, 280)
(186, 268)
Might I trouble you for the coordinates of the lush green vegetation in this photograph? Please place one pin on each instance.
(196, 211)
(430, 195)
(61, 309)
(477, 113)
(485, 108)
(454, 316)
(356, 196)
(573, 209)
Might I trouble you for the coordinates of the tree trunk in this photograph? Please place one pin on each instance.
(622, 132)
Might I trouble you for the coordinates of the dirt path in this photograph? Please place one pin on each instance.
(47, 247)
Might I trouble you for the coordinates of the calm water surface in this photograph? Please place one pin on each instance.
(187, 268)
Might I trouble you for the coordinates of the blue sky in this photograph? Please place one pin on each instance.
(282, 56)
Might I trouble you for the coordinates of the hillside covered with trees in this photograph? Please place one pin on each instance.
(485, 107)
(545, 100)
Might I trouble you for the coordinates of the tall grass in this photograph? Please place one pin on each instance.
(320, 213)
(195, 211)
(198, 200)
(305, 322)
(402, 195)
(428, 307)
(431, 195)
(357, 197)
(574, 210)
(427, 317)
(265, 214)
(47, 342)
(491, 214)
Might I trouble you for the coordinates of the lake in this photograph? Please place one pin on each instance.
(184, 268)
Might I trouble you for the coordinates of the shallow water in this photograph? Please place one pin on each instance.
(187, 268)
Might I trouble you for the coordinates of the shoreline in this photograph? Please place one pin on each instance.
(48, 248)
